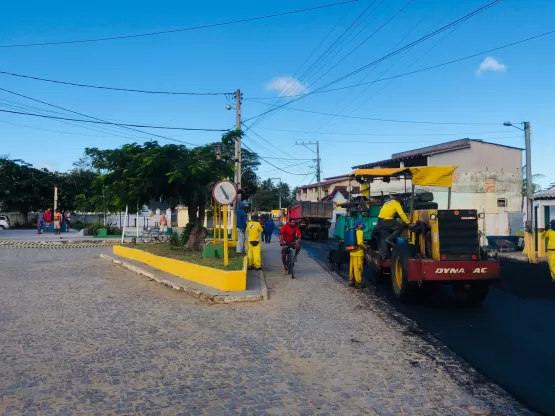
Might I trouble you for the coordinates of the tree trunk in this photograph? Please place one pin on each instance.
(197, 239)
(197, 236)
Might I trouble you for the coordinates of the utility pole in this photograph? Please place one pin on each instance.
(529, 238)
(529, 185)
(279, 191)
(237, 177)
(238, 142)
(55, 197)
(318, 162)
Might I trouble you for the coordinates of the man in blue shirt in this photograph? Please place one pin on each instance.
(269, 226)
(241, 227)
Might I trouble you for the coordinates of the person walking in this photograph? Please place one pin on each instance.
(48, 218)
(357, 257)
(269, 227)
(67, 219)
(40, 221)
(550, 233)
(241, 227)
(57, 221)
(254, 230)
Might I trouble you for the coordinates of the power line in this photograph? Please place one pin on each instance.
(102, 87)
(352, 99)
(379, 119)
(387, 56)
(394, 141)
(30, 108)
(319, 61)
(336, 47)
(99, 121)
(273, 170)
(413, 72)
(284, 158)
(379, 134)
(186, 29)
(109, 123)
(271, 164)
(249, 129)
(366, 40)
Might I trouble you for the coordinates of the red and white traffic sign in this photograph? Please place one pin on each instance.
(224, 192)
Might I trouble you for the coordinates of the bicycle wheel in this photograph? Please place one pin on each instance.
(162, 237)
(146, 238)
(291, 264)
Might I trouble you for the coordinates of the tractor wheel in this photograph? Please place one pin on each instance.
(472, 293)
(399, 272)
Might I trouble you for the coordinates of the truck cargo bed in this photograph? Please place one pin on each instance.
(309, 209)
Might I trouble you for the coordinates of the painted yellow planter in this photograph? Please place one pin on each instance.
(229, 281)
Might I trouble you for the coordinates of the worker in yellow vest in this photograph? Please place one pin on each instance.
(550, 248)
(387, 221)
(254, 230)
(357, 257)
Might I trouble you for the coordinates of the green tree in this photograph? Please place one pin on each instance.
(25, 188)
(135, 174)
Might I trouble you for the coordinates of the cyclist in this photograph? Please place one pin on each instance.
(291, 234)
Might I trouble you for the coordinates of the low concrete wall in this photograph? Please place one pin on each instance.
(229, 281)
(15, 218)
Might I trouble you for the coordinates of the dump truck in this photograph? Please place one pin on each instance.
(313, 218)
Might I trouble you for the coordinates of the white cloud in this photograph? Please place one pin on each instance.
(286, 86)
(491, 64)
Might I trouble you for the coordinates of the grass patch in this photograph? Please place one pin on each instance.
(177, 253)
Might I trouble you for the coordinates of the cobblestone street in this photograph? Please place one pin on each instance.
(82, 336)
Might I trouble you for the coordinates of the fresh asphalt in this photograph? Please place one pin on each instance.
(510, 338)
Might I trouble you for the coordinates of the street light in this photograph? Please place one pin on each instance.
(509, 124)
(529, 187)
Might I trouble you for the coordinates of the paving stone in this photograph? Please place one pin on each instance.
(81, 336)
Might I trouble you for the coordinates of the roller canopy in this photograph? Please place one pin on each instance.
(420, 175)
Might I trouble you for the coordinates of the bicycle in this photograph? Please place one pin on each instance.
(158, 236)
(290, 258)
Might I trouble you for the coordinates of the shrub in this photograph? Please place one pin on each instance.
(174, 239)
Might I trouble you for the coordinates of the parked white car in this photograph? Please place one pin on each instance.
(4, 222)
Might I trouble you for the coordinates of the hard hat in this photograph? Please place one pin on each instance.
(244, 204)
(360, 222)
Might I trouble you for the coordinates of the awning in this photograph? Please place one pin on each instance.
(420, 175)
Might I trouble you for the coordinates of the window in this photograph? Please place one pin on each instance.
(326, 192)
(502, 202)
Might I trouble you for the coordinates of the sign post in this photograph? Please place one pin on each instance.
(225, 193)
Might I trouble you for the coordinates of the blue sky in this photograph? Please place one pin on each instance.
(516, 84)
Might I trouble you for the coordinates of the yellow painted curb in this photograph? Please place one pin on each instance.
(229, 281)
